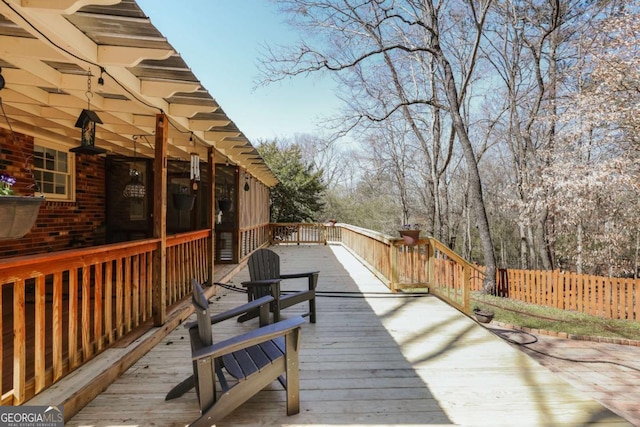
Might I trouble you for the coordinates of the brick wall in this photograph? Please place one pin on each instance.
(60, 225)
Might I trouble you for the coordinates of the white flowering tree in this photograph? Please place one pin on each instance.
(595, 172)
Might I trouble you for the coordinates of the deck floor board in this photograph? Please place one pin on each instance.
(380, 360)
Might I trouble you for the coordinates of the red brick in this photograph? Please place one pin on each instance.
(60, 224)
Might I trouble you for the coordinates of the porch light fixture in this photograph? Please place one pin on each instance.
(87, 123)
(135, 189)
(246, 182)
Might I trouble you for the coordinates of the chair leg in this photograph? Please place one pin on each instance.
(237, 395)
(181, 388)
(312, 310)
(292, 344)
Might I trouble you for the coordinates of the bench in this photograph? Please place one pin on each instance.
(254, 359)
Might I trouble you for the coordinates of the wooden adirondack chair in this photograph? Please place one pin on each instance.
(264, 271)
(255, 359)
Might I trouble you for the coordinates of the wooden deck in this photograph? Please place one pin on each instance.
(381, 360)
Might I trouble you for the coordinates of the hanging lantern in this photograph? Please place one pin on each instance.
(135, 189)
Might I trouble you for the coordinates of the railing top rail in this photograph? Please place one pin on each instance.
(451, 254)
(51, 257)
(188, 236)
(369, 233)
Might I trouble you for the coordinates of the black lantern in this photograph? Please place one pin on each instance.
(87, 123)
(135, 189)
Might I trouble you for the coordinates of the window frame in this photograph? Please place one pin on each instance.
(70, 193)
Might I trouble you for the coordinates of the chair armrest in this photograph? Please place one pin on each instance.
(244, 308)
(236, 311)
(265, 282)
(248, 339)
(312, 275)
(298, 275)
(254, 287)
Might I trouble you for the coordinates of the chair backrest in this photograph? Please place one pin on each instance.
(201, 305)
(264, 264)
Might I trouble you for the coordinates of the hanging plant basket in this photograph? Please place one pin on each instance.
(183, 202)
(17, 215)
(410, 237)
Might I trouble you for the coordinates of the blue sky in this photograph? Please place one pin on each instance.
(221, 41)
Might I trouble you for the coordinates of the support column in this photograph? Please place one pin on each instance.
(211, 212)
(159, 302)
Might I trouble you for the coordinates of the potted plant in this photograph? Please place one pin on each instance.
(410, 234)
(17, 213)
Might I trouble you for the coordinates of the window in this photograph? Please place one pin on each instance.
(53, 172)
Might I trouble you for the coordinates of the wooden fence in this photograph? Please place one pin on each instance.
(606, 297)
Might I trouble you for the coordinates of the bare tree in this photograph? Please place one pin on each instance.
(369, 37)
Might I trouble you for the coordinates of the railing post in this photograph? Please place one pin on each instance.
(466, 273)
(431, 274)
(395, 270)
(19, 340)
(160, 220)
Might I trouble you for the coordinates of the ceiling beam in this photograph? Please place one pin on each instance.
(124, 56)
(165, 89)
(66, 6)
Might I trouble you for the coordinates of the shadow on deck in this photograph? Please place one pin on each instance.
(386, 359)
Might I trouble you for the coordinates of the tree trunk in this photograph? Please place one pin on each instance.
(579, 249)
(543, 239)
(475, 183)
(524, 264)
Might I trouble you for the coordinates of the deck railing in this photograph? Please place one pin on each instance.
(61, 309)
(297, 233)
(429, 264)
(186, 259)
(253, 238)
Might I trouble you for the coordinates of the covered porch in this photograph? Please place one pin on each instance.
(373, 358)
